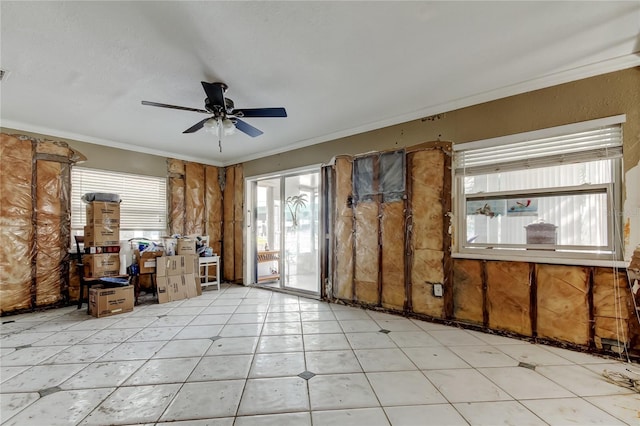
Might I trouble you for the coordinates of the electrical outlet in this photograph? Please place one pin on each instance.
(438, 291)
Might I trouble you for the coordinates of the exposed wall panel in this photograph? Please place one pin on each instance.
(194, 199)
(176, 205)
(238, 216)
(427, 270)
(213, 208)
(426, 176)
(228, 209)
(16, 232)
(175, 166)
(343, 243)
(393, 286)
(509, 297)
(612, 305)
(366, 258)
(50, 249)
(52, 148)
(563, 306)
(467, 291)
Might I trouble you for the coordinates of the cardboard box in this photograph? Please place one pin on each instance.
(101, 265)
(147, 261)
(169, 266)
(177, 287)
(99, 235)
(104, 302)
(186, 246)
(103, 213)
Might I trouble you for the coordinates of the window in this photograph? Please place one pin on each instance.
(143, 207)
(554, 190)
(379, 174)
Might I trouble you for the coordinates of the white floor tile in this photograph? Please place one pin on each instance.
(287, 343)
(184, 348)
(23, 339)
(60, 408)
(404, 388)
(233, 346)
(352, 417)
(13, 403)
(523, 383)
(221, 367)
(274, 395)
(465, 385)
(436, 414)
(397, 325)
(31, 355)
(623, 407)
(413, 339)
(317, 316)
(134, 404)
(205, 400)
(484, 356)
(133, 350)
(40, 377)
(332, 362)
(135, 322)
(8, 372)
(498, 413)
(359, 326)
(151, 334)
(289, 419)
(199, 332)
(341, 391)
(371, 340)
(325, 342)
(581, 381)
(80, 353)
(277, 364)
(373, 360)
(111, 335)
(435, 358)
(249, 318)
(282, 317)
(157, 371)
(532, 354)
(575, 411)
(317, 327)
(226, 421)
(220, 319)
(102, 374)
(455, 337)
(241, 330)
(281, 328)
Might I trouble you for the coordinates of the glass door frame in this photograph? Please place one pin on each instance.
(250, 234)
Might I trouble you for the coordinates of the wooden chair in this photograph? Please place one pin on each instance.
(84, 282)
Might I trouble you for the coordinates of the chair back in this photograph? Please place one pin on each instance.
(79, 240)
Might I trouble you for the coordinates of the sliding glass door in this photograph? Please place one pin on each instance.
(283, 235)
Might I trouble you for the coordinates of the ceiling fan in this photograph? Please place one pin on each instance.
(225, 118)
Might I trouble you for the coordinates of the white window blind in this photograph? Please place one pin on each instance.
(143, 204)
(598, 142)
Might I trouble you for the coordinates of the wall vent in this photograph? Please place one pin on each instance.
(3, 74)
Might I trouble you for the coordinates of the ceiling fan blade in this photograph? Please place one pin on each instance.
(196, 126)
(156, 104)
(247, 128)
(260, 112)
(215, 93)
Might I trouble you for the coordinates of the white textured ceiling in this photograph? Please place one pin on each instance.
(80, 69)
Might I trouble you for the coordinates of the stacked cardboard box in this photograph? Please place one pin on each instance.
(102, 239)
(104, 302)
(177, 277)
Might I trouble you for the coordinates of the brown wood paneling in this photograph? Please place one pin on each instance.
(366, 248)
(343, 232)
(194, 199)
(49, 253)
(508, 301)
(467, 290)
(392, 223)
(563, 308)
(213, 208)
(16, 230)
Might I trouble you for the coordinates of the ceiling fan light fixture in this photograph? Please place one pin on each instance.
(228, 127)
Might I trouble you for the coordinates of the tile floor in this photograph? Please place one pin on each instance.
(247, 356)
